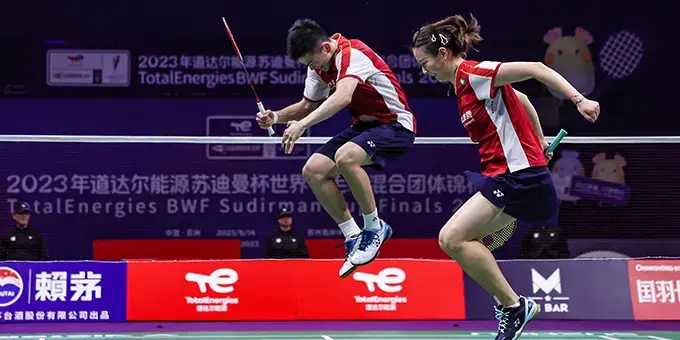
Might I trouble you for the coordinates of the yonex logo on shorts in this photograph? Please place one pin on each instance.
(371, 144)
(498, 193)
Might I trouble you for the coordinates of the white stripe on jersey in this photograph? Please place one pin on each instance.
(383, 85)
(362, 66)
(512, 148)
(482, 86)
(489, 65)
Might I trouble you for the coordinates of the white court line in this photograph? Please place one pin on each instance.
(297, 336)
(657, 337)
(246, 336)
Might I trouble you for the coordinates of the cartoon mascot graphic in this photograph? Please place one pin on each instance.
(570, 56)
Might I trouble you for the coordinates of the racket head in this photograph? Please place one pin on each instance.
(500, 237)
(621, 54)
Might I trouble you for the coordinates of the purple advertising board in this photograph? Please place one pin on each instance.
(63, 291)
(83, 192)
(565, 289)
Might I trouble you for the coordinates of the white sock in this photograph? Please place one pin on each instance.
(372, 221)
(349, 228)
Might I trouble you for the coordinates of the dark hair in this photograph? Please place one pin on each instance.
(454, 33)
(303, 38)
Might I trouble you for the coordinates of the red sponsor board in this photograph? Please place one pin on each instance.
(384, 289)
(294, 289)
(114, 250)
(655, 289)
(211, 290)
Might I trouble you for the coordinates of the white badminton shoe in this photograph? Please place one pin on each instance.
(369, 244)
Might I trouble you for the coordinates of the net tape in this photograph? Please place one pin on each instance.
(305, 140)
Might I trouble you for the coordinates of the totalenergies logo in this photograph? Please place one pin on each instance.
(11, 286)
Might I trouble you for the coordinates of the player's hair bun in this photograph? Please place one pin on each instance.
(454, 32)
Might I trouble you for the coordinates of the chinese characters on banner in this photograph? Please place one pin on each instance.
(405, 289)
(655, 289)
(67, 291)
(211, 71)
(196, 205)
(90, 190)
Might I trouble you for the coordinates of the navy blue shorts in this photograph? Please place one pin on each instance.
(527, 195)
(382, 142)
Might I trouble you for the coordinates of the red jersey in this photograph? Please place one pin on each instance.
(378, 96)
(495, 119)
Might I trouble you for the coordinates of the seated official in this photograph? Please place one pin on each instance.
(284, 242)
(23, 242)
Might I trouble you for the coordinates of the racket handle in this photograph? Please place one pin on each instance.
(270, 130)
(556, 141)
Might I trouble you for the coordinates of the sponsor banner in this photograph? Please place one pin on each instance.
(294, 289)
(655, 289)
(573, 289)
(198, 191)
(212, 290)
(62, 291)
(88, 68)
(384, 289)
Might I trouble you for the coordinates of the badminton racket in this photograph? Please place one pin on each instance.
(500, 237)
(260, 106)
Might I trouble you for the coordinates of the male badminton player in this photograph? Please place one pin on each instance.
(514, 183)
(343, 73)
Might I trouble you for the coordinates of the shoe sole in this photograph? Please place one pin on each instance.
(531, 317)
(349, 272)
(389, 235)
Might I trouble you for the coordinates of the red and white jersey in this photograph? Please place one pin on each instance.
(495, 119)
(378, 96)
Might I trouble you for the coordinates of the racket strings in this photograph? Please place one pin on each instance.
(621, 54)
(500, 237)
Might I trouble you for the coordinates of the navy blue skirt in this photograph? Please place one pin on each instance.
(528, 195)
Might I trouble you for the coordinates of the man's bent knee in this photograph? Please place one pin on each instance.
(350, 155)
(318, 168)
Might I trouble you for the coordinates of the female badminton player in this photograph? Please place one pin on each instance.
(514, 183)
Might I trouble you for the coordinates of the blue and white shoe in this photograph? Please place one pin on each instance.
(511, 321)
(350, 245)
(370, 242)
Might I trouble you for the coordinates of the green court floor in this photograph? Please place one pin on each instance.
(613, 335)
